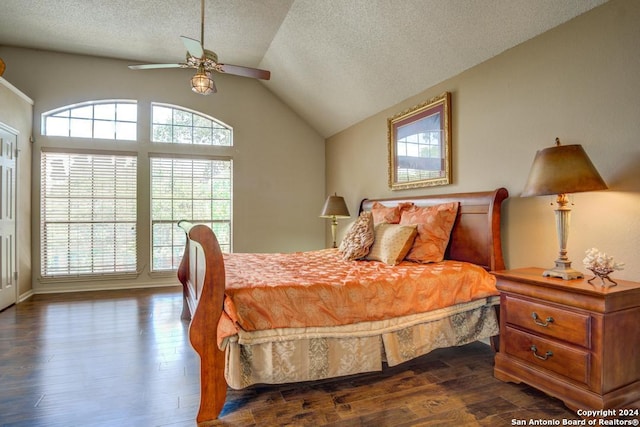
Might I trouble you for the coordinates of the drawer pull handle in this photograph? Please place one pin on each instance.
(540, 323)
(547, 355)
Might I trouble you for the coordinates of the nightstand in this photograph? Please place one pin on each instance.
(570, 339)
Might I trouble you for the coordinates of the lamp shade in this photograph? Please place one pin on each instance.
(202, 83)
(562, 169)
(335, 206)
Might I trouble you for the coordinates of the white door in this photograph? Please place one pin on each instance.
(8, 145)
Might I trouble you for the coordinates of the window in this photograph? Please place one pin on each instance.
(91, 223)
(102, 120)
(180, 126)
(88, 214)
(198, 190)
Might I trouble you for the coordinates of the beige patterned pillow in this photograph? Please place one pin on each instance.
(359, 238)
(392, 242)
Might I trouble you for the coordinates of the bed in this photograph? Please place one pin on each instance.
(247, 329)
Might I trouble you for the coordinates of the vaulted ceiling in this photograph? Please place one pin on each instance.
(335, 62)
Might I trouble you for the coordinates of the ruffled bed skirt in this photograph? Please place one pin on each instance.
(306, 354)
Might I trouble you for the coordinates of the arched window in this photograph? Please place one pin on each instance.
(181, 126)
(194, 188)
(91, 220)
(115, 120)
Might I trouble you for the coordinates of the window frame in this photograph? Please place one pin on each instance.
(76, 204)
(193, 127)
(144, 149)
(92, 120)
(225, 245)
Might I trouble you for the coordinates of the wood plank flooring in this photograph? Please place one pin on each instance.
(122, 358)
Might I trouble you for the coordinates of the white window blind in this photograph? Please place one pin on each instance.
(88, 214)
(198, 190)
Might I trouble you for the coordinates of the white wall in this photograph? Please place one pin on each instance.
(278, 159)
(578, 82)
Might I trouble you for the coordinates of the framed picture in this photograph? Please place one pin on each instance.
(420, 145)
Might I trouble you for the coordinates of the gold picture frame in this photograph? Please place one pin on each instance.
(420, 145)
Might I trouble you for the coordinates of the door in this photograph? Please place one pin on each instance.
(8, 280)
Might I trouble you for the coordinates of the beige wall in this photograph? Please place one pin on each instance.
(579, 82)
(278, 159)
(16, 111)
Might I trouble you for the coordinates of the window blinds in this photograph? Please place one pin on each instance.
(198, 190)
(88, 214)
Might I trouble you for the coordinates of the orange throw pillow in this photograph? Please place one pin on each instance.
(434, 224)
(390, 215)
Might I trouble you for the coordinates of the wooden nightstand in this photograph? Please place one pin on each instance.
(570, 339)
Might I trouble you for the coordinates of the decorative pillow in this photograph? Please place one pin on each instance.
(359, 238)
(434, 224)
(391, 242)
(391, 215)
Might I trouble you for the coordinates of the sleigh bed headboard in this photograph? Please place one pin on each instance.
(475, 236)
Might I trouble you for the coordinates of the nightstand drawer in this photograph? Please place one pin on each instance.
(549, 320)
(548, 354)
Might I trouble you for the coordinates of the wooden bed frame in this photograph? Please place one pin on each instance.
(475, 238)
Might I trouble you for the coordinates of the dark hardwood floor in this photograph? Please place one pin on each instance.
(122, 358)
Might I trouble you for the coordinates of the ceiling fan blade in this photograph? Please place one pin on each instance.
(244, 71)
(194, 47)
(152, 66)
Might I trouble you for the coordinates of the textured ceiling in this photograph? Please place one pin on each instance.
(335, 62)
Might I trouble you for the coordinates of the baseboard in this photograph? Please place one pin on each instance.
(25, 296)
(100, 286)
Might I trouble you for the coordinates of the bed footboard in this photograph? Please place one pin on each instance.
(201, 273)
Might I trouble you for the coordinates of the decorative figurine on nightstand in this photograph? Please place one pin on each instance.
(601, 265)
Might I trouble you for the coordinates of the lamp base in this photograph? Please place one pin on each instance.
(564, 271)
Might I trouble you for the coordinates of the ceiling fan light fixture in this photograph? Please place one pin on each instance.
(202, 83)
(204, 61)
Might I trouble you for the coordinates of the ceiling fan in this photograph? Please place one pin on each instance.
(205, 61)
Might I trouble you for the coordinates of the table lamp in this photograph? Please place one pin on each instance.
(560, 170)
(334, 208)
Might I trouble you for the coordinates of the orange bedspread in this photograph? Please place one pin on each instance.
(318, 288)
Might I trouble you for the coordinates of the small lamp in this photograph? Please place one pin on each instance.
(334, 208)
(560, 170)
(202, 83)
